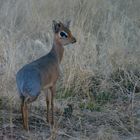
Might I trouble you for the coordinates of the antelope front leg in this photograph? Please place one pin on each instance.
(52, 89)
(47, 104)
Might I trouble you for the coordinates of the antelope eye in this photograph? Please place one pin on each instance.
(63, 34)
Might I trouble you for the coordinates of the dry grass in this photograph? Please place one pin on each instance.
(100, 74)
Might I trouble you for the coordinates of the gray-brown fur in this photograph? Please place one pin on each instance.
(43, 73)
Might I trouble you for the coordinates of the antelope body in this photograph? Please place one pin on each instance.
(43, 73)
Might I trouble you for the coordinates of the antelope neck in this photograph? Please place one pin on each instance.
(58, 50)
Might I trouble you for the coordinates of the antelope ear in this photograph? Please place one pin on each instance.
(67, 23)
(55, 26)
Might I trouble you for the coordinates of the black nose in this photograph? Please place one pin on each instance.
(73, 40)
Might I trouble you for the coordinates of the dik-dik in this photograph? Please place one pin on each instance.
(43, 73)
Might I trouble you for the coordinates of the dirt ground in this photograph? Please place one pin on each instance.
(116, 121)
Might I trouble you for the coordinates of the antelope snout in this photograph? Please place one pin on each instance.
(73, 40)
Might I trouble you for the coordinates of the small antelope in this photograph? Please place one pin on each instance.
(43, 73)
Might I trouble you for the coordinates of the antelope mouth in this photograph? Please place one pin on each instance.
(74, 40)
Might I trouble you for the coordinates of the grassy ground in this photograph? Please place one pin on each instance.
(100, 74)
(118, 120)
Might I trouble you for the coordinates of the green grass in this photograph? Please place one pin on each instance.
(90, 106)
(64, 94)
(104, 97)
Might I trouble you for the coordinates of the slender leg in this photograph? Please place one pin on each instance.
(24, 111)
(47, 103)
(25, 116)
(52, 89)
